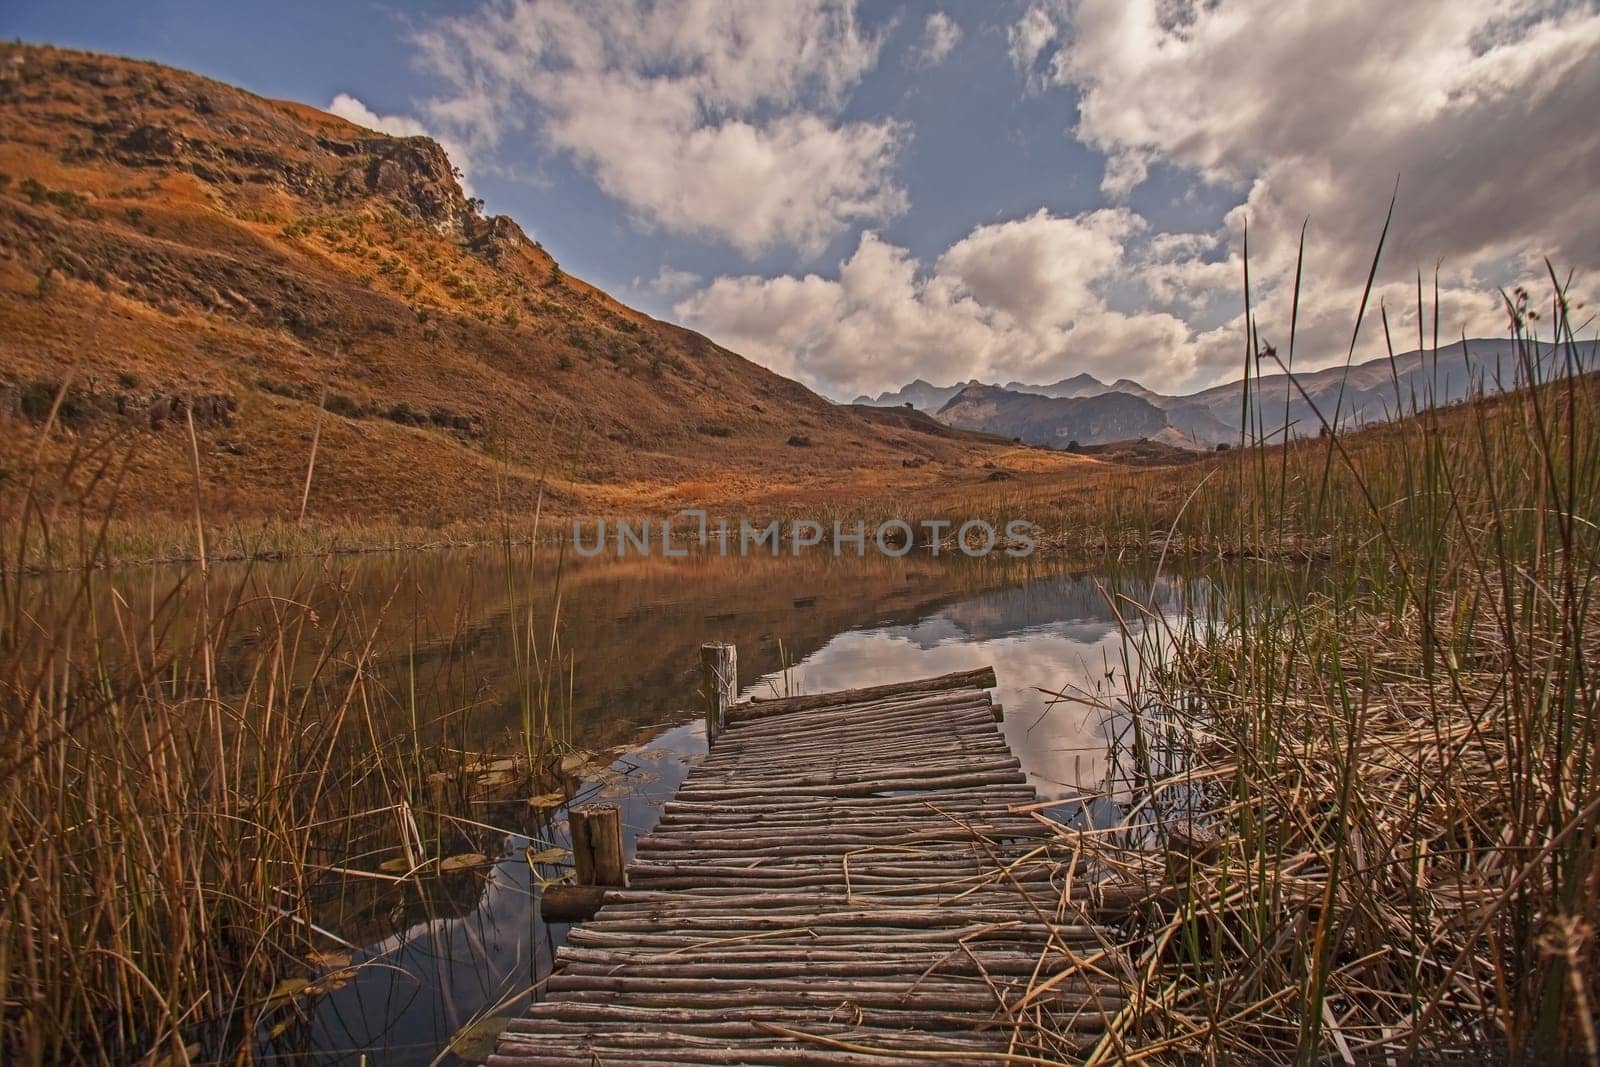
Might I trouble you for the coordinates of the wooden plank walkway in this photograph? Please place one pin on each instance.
(844, 879)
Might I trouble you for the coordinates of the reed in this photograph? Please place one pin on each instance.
(198, 791)
(1365, 805)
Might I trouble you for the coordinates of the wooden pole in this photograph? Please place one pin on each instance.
(719, 682)
(597, 845)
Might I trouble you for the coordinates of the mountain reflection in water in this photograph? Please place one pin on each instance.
(1057, 649)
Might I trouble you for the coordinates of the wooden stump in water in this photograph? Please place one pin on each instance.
(597, 845)
(719, 681)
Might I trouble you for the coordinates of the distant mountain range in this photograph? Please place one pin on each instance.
(1085, 410)
(1055, 421)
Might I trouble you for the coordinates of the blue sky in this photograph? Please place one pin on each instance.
(861, 193)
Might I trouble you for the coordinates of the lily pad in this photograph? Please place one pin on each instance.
(545, 801)
(549, 855)
(464, 861)
(327, 983)
(474, 1042)
(287, 990)
(339, 957)
(572, 762)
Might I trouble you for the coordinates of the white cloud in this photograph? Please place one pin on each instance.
(348, 107)
(352, 109)
(1037, 271)
(1311, 109)
(706, 118)
(1030, 36)
(1019, 299)
(724, 121)
(669, 281)
(1029, 299)
(940, 35)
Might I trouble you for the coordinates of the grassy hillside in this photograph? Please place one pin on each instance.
(175, 247)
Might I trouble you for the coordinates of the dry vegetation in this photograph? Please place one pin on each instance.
(1373, 776)
(211, 798)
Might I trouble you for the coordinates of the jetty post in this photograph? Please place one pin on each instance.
(719, 682)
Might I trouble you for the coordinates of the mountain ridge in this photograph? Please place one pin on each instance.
(1368, 392)
(1056, 422)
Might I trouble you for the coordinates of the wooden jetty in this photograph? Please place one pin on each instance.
(846, 878)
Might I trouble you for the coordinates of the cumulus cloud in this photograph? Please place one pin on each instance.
(1482, 110)
(940, 35)
(669, 281)
(725, 121)
(702, 117)
(1030, 36)
(1036, 272)
(1023, 299)
(352, 109)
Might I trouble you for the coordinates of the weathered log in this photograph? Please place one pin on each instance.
(759, 707)
(925, 799)
(933, 714)
(847, 765)
(838, 716)
(849, 965)
(979, 992)
(570, 903)
(945, 743)
(980, 1001)
(632, 1018)
(822, 790)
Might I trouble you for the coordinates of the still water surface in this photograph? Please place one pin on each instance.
(618, 643)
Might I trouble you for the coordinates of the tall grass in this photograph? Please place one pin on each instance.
(193, 791)
(1377, 782)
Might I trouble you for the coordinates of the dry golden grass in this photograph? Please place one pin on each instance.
(1364, 797)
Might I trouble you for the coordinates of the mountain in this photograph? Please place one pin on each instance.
(924, 396)
(173, 248)
(919, 394)
(1077, 385)
(1370, 392)
(1133, 388)
(1195, 425)
(1377, 390)
(1053, 421)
